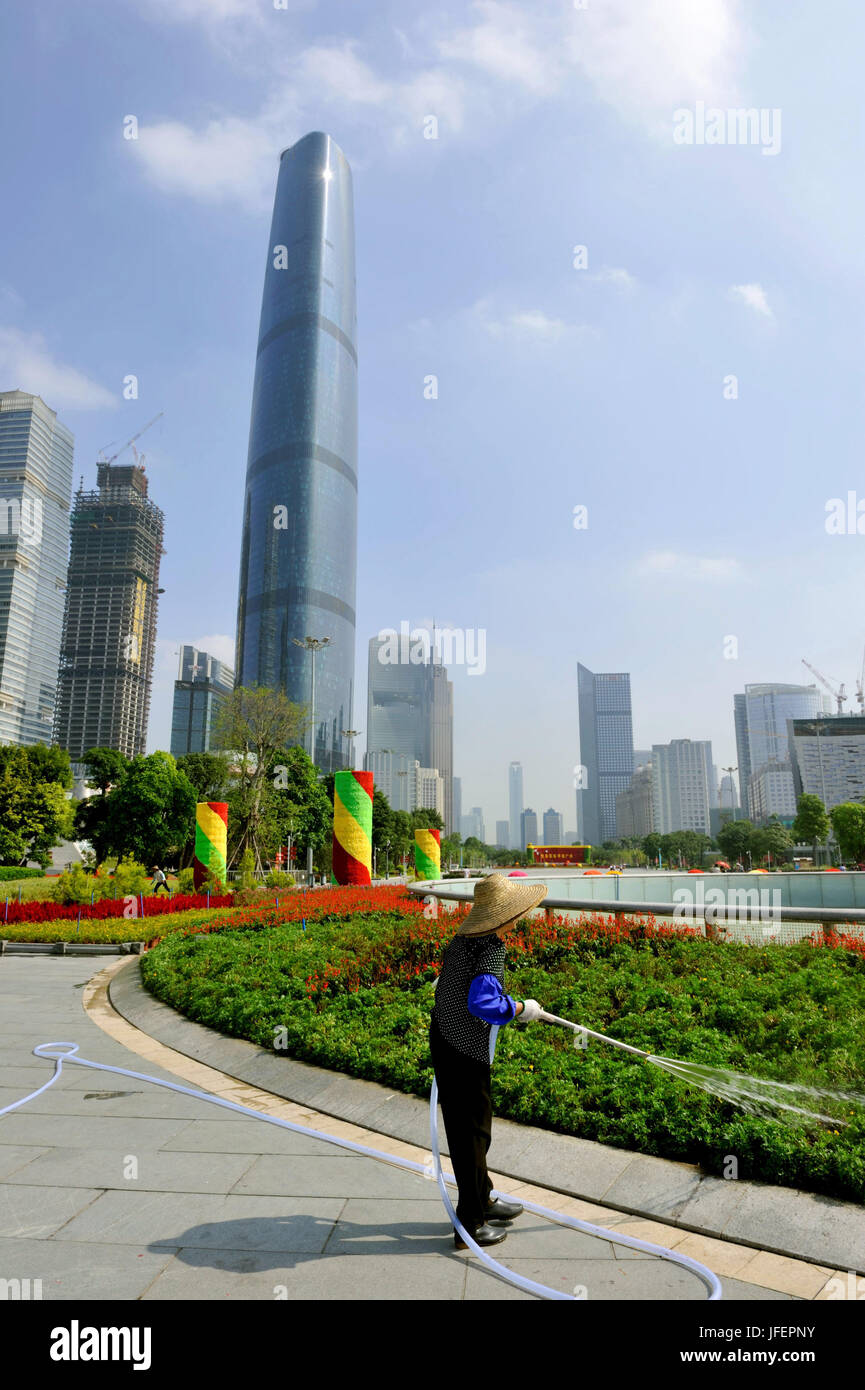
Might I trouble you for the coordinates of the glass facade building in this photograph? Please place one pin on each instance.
(606, 750)
(515, 805)
(828, 757)
(765, 770)
(299, 548)
(199, 692)
(35, 493)
(409, 715)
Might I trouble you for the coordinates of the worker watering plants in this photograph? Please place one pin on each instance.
(469, 999)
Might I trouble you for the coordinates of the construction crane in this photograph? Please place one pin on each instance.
(860, 687)
(840, 694)
(130, 441)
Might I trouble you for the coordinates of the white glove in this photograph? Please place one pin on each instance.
(530, 1012)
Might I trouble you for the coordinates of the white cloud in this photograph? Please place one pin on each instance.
(502, 45)
(218, 645)
(755, 298)
(521, 323)
(712, 568)
(227, 160)
(26, 363)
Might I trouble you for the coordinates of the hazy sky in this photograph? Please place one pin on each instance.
(559, 386)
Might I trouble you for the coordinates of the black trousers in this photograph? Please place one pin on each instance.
(464, 1097)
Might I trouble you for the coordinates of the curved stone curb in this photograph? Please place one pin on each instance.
(781, 1221)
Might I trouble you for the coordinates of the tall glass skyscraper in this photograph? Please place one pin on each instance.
(606, 750)
(515, 805)
(299, 551)
(35, 491)
(765, 770)
(200, 691)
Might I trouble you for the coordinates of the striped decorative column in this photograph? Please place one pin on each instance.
(352, 827)
(211, 840)
(428, 853)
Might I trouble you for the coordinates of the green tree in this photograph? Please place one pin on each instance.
(772, 841)
(848, 822)
(651, 846)
(261, 726)
(300, 807)
(693, 843)
(209, 774)
(35, 812)
(105, 769)
(812, 825)
(736, 839)
(149, 812)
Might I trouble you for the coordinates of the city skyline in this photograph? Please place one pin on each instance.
(504, 377)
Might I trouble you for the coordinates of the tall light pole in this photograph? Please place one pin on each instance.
(351, 735)
(730, 771)
(312, 645)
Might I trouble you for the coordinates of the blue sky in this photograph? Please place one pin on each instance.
(557, 386)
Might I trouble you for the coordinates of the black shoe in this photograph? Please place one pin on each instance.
(482, 1235)
(501, 1212)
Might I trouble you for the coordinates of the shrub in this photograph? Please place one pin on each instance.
(130, 880)
(277, 879)
(73, 886)
(8, 873)
(186, 880)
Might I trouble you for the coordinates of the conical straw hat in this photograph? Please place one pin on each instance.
(498, 900)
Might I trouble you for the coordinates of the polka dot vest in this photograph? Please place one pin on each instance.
(464, 958)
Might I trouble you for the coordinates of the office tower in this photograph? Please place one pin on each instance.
(681, 782)
(503, 834)
(199, 694)
(35, 489)
(457, 801)
(528, 828)
(635, 816)
(553, 828)
(827, 755)
(473, 824)
(606, 751)
(515, 804)
(299, 550)
(765, 770)
(109, 623)
(410, 710)
(429, 789)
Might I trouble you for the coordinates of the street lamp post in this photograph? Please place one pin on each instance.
(730, 770)
(312, 645)
(351, 735)
(387, 858)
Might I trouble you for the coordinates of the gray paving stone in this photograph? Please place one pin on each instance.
(391, 1227)
(117, 1096)
(71, 1272)
(196, 1219)
(248, 1136)
(335, 1176)
(229, 1275)
(103, 1131)
(157, 1170)
(535, 1237)
(602, 1280)
(738, 1290)
(37, 1212)
(777, 1218)
(15, 1156)
(655, 1186)
(713, 1205)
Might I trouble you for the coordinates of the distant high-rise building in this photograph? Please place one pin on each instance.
(503, 834)
(765, 770)
(553, 827)
(429, 792)
(35, 489)
(828, 758)
(515, 804)
(394, 776)
(528, 828)
(641, 757)
(457, 801)
(109, 623)
(681, 781)
(728, 797)
(635, 818)
(200, 692)
(606, 750)
(473, 824)
(299, 550)
(410, 710)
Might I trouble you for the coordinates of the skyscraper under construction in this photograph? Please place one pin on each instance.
(109, 627)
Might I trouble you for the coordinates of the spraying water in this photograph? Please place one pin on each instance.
(756, 1095)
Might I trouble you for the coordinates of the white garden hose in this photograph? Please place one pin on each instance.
(711, 1281)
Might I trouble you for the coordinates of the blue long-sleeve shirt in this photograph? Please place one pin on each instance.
(487, 1000)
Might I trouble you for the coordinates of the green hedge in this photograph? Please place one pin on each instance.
(792, 1013)
(8, 873)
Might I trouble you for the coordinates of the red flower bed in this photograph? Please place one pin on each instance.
(42, 911)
